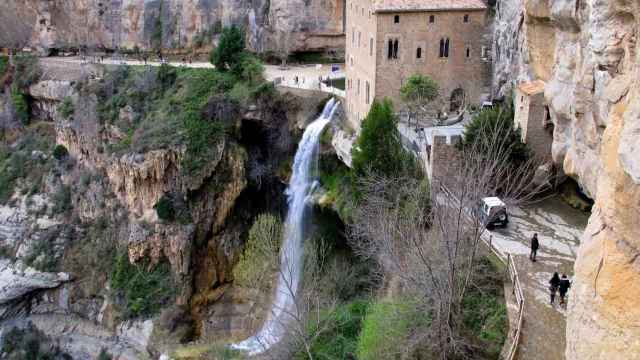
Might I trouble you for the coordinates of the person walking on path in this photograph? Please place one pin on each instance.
(535, 245)
(554, 283)
(564, 286)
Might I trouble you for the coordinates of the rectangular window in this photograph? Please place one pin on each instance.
(468, 51)
(359, 33)
(432, 19)
(419, 53)
(371, 47)
(396, 19)
(358, 88)
(466, 18)
(367, 90)
(353, 35)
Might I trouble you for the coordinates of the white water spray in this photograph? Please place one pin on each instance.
(292, 248)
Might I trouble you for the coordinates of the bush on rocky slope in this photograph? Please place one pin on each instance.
(260, 258)
(143, 289)
(30, 344)
(24, 164)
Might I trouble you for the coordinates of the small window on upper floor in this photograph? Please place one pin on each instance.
(371, 47)
(432, 19)
(419, 53)
(468, 51)
(466, 18)
(396, 19)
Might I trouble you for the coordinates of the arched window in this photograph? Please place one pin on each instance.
(395, 48)
(390, 49)
(419, 53)
(468, 51)
(446, 48)
(441, 47)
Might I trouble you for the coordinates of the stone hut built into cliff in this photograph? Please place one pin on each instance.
(533, 119)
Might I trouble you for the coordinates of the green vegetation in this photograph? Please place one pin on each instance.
(387, 327)
(164, 208)
(229, 51)
(20, 104)
(104, 355)
(62, 200)
(42, 254)
(25, 164)
(484, 311)
(144, 288)
(164, 107)
(60, 152)
(417, 92)
(4, 65)
(340, 340)
(495, 126)
(378, 149)
(30, 344)
(93, 255)
(26, 72)
(260, 258)
(66, 109)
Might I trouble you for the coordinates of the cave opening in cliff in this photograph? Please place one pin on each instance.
(573, 194)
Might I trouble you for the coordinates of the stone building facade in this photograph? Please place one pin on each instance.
(533, 119)
(389, 40)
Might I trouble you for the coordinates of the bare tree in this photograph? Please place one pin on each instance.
(427, 238)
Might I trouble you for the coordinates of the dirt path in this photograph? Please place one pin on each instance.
(302, 77)
(559, 229)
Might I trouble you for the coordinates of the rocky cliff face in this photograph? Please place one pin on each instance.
(587, 52)
(171, 24)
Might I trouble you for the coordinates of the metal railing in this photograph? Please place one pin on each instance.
(512, 271)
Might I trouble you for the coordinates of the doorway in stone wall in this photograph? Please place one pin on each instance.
(456, 102)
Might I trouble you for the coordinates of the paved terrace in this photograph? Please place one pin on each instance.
(559, 229)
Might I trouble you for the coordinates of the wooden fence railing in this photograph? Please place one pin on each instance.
(512, 271)
(517, 291)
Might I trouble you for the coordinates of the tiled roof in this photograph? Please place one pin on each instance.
(427, 5)
(533, 87)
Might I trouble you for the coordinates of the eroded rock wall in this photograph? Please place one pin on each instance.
(172, 24)
(587, 52)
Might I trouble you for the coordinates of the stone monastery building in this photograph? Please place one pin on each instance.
(389, 40)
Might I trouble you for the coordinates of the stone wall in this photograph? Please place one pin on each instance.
(533, 119)
(444, 159)
(173, 24)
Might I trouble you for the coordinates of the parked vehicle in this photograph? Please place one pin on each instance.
(493, 212)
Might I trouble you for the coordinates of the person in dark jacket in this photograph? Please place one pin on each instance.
(554, 283)
(564, 286)
(535, 245)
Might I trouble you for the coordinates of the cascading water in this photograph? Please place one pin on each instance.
(292, 248)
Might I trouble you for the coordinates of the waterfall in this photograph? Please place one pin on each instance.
(291, 250)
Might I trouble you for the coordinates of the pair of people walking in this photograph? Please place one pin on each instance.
(557, 284)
